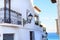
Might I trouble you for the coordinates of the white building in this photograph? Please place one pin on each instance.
(16, 22)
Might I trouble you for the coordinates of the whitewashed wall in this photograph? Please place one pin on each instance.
(10, 30)
(20, 34)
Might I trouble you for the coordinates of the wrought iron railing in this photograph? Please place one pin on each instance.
(16, 18)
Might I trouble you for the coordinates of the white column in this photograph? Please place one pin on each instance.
(58, 7)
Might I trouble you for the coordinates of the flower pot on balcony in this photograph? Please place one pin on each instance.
(37, 23)
(41, 25)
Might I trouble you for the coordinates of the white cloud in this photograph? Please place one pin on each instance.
(51, 29)
(50, 25)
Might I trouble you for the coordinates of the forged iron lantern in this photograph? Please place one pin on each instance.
(53, 1)
(30, 17)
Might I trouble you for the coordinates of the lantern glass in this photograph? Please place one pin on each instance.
(29, 17)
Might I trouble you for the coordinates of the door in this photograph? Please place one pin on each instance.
(8, 36)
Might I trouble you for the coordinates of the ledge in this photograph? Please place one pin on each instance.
(10, 25)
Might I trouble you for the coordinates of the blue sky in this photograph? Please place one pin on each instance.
(48, 14)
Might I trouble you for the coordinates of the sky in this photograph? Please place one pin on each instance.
(48, 14)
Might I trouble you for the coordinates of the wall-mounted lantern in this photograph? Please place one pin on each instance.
(29, 18)
(53, 1)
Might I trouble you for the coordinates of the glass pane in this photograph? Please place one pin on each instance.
(7, 14)
(7, 3)
(8, 36)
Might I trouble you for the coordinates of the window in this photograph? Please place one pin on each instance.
(7, 11)
(8, 36)
(7, 3)
(32, 35)
(7, 14)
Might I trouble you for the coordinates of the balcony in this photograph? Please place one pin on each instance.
(15, 17)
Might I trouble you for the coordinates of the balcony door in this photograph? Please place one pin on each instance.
(7, 11)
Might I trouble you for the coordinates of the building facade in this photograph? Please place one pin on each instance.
(17, 21)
